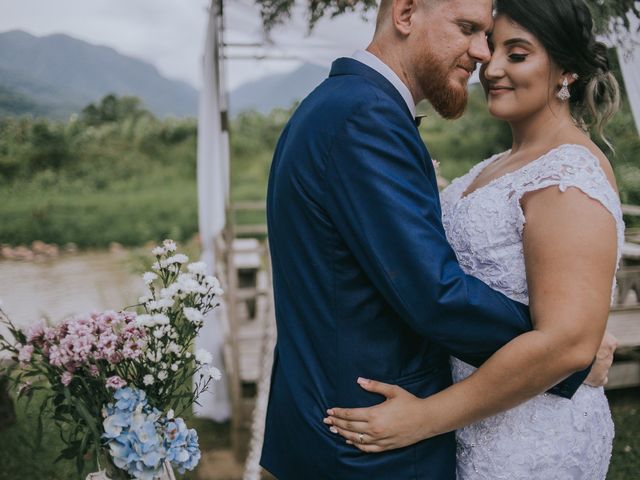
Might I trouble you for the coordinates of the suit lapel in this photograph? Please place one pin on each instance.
(349, 66)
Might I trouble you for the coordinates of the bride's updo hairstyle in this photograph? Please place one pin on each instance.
(565, 29)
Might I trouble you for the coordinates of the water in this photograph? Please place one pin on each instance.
(67, 285)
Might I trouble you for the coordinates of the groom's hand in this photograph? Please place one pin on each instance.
(389, 425)
(598, 376)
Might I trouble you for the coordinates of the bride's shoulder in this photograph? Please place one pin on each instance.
(583, 153)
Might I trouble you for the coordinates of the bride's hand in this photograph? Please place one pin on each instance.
(598, 376)
(389, 425)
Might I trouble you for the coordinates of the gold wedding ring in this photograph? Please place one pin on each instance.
(361, 438)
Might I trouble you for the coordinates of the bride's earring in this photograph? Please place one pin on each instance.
(563, 94)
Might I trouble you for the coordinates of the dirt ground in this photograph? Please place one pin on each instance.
(222, 465)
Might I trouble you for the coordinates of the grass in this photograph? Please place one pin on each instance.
(19, 462)
(128, 216)
(625, 407)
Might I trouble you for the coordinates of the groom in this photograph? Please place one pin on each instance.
(365, 282)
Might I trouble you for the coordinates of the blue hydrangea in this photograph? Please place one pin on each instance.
(140, 439)
(129, 398)
(182, 446)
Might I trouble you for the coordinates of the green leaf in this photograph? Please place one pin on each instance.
(39, 429)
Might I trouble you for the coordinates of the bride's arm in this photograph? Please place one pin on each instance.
(570, 253)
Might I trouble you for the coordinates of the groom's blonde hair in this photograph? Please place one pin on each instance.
(384, 10)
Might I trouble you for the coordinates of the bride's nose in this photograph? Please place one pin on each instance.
(494, 69)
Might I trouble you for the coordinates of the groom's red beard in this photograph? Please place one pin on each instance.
(448, 96)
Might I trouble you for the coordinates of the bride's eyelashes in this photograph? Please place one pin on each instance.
(518, 57)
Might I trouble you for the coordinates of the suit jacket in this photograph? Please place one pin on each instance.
(365, 281)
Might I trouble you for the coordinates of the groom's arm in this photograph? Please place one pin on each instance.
(387, 210)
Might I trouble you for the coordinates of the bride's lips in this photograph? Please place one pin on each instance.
(499, 89)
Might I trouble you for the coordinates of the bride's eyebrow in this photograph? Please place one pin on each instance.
(517, 41)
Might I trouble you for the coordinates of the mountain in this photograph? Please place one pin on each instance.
(273, 91)
(57, 75)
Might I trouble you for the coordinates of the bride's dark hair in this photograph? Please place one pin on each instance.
(565, 29)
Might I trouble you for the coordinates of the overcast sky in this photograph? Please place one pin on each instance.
(170, 33)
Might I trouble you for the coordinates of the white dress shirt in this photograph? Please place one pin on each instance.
(370, 60)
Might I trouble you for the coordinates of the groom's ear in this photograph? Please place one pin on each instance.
(403, 13)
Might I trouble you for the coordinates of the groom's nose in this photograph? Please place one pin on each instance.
(479, 48)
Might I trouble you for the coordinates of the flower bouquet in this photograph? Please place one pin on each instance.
(116, 383)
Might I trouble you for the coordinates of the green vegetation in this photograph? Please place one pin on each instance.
(118, 174)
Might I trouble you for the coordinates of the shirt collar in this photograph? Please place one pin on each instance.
(370, 60)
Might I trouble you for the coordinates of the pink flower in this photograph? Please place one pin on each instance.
(55, 356)
(24, 356)
(132, 348)
(66, 378)
(115, 382)
(93, 371)
(35, 332)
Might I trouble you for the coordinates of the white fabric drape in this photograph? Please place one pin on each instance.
(629, 58)
(213, 187)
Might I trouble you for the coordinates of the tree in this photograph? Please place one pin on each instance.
(274, 12)
(112, 109)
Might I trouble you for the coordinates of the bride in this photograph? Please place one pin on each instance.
(534, 223)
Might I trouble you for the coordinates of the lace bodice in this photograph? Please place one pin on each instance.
(485, 227)
(548, 436)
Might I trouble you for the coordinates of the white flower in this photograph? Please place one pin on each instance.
(202, 356)
(148, 379)
(177, 258)
(143, 320)
(158, 251)
(166, 302)
(153, 305)
(144, 299)
(158, 333)
(154, 356)
(214, 373)
(169, 245)
(187, 355)
(199, 268)
(149, 277)
(155, 266)
(160, 319)
(174, 367)
(170, 414)
(213, 283)
(173, 347)
(193, 314)
(162, 375)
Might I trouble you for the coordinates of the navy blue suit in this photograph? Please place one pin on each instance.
(365, 282)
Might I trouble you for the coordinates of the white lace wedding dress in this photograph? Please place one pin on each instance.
(548, 437)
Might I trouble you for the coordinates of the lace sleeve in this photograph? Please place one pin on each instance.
(570, 166)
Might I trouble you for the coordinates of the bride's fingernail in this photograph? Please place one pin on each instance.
(333, 430)
(327, 421)
(330, 412)
(363, 381)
